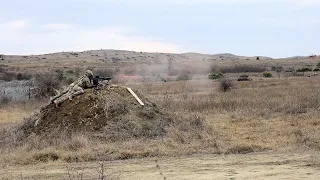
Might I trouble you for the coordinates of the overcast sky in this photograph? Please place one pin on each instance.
(276, 28)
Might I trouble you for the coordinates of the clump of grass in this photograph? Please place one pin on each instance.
(225, 85)
(244, 149)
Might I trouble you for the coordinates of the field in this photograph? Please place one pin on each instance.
(266, 165)
(267, 128)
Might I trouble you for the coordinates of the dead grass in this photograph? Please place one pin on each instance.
(15, 111)
(252, 117)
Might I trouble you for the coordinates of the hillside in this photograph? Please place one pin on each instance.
(136, 63)
(109, 55)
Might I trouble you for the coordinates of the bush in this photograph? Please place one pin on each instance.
(47, 83)
(60, 75)
(106, 72)
(267, 75)
(277, 68)
(225, 84)
(244, 78)
(216, 76)
(316, 69)
(305, 69)
(23, 76)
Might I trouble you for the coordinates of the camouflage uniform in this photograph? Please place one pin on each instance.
(74, 88)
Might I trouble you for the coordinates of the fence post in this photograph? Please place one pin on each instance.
(29, 94)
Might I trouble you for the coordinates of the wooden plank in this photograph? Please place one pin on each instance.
(135, 96)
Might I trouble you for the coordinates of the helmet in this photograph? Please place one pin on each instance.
(89, 74)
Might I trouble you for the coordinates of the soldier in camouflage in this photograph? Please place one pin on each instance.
(74, 89)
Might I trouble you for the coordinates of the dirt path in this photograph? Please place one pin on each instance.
(250, 166)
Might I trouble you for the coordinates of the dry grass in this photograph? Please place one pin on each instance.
(14, 112)
(254, 116)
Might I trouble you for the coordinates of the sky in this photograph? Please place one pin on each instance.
(274, 28)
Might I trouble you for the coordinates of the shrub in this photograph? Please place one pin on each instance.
(305, 69)
(225, 84)
(47, 83)
(277, 68)
(23, 76)
(267, 75)
(216, 76)
(316, 69)
(244, 78)
(106, 72)
(60, 75)
(19, 76)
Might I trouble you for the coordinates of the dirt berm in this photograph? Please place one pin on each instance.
(111, 112)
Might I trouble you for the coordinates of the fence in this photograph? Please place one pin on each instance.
(17, 90)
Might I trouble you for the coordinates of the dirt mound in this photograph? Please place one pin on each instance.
(111, 112)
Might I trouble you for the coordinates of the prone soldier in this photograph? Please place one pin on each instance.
(74, 89)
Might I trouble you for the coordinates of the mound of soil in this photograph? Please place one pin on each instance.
(111, 112)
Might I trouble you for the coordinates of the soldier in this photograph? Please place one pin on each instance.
(74, 88)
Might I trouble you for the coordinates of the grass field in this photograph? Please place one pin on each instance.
(272, 118)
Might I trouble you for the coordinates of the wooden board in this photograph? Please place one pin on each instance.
(135, 96)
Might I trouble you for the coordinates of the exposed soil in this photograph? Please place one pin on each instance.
(271, 165)
(111, 112)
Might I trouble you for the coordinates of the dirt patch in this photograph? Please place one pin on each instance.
(110, 113)
(273, 165)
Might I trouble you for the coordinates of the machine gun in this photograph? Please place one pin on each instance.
(96, 80)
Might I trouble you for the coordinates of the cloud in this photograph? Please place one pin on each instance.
(189, 2)
(49, 38)
(18, 24)
(56, 26)
(307, 2)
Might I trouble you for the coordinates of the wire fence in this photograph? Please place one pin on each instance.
(17, 90)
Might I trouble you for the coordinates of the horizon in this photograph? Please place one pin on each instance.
(275, 28)
(40, 54)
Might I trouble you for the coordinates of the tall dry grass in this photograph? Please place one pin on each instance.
(253, 116)
(13, 112)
